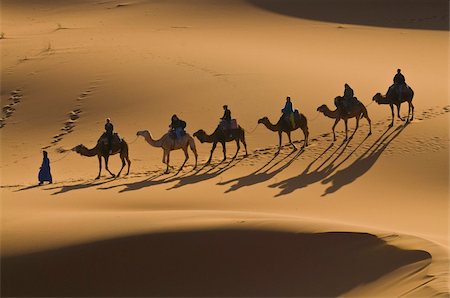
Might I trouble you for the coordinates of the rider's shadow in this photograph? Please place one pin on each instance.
(262, 174)
(182, 180)
(306, 177)
(362, 164)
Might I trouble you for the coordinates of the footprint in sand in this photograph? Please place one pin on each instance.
(72, 116)
(8, 110)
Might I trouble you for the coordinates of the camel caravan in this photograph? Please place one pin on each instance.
(347, 106)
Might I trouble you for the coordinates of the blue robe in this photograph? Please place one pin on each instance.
(44, 171)
(287, 110)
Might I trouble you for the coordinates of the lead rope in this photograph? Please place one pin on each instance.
(253, 130)
(67, 153)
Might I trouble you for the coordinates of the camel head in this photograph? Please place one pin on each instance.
(263, 120)
(200, 135)
(322, 108)
(377, 97)
(79, 148)
(143, 133)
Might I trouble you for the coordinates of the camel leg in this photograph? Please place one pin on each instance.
(238, 146)
(129, 165)
(167, 161)
(334, 125)
(106, 166)
(99, 166)
(290, 141)
(123, 165)
(392, 112)
(245, 145)
(186, 157)
(211, 154)
(305, 134)
(366, 115)
(346, 129)
(224, 148)
(356, 127)
(410, 110)
(398, 112)
(279, 142)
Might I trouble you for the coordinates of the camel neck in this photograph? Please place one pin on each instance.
(270, 126)
(151, 141)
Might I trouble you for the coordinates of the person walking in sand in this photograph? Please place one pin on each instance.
(44, 171)
(109, 131)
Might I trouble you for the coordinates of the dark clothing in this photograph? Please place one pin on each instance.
(109, 128)
(288, 114)
(287, 110)
(177, 123)
(177, 128)
(226, 115)
(399, 82)
(44, 171)
(348, 92)
(399, 79)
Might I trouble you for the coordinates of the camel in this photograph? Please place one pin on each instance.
(391, 99)
(282, 125)
(357, 110)
(101, 150)
(167, 143)
(221, 136)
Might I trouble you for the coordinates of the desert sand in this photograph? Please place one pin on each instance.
(366, 217)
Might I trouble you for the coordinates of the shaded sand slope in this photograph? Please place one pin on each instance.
(411, 14)
(235, 254)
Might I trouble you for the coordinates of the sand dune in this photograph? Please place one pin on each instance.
(428, 15)
(238, 256)
(366, 217)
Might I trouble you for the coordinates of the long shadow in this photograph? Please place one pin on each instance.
(380, 13)
(211, 263)
(30, 187)
(363, 163)
(192, 179)
(308, 177)
(260, 176)
(182, 180)
(84, 185)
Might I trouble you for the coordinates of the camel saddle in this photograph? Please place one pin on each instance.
(394, 90)
(104, 138)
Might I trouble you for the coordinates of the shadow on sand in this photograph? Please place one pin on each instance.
(213, 263)
(380, 13)
(323, 172)
(363, 163)
(182, 180)
(67, 188)
(262, 174)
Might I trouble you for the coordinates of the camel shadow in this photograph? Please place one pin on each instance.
(363, 163)
(210, 174)
(181, 180)
(260, 176)
(67, 188)
(308, 177)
